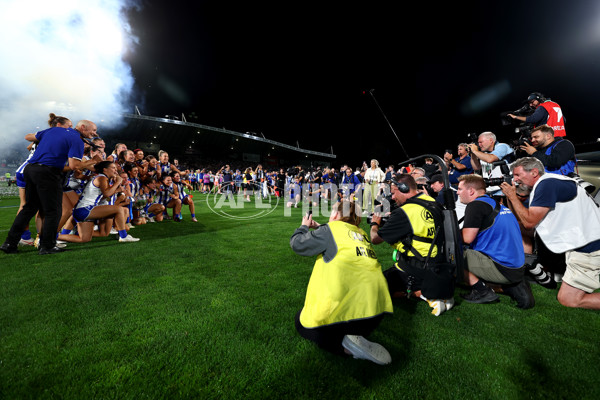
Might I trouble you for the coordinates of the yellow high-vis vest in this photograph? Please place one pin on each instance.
(423, 225)
(349, 287)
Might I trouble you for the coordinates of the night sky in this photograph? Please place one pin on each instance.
(302, 71)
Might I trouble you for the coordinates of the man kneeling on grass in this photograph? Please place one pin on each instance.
(495, 254)
(347, 295)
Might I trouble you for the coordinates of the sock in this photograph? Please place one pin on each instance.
(479, 286)
(123, 234)
(26, 235)
(193, 215)
(65, 231)
(151, 215)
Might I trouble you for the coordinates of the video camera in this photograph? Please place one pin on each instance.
(380, 209)
(521, 128)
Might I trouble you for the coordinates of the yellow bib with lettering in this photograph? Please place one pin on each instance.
(351, 286)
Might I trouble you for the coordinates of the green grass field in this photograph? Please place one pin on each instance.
(206, 311)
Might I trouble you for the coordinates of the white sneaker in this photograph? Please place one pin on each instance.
(60, 244)
(26, 242)
(128, 238)
(438, 306)
(151, 219)
(361, 348)
(130, 226)
(113, 231)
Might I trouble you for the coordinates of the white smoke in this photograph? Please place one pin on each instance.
(65, 57)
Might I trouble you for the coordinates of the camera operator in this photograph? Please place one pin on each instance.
(413, 229)
(557, 154)
(546, 112)
(495, 254)
(566, 219)
(490, 158)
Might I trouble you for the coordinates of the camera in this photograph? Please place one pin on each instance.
(380, 209)
(472, 138)
(524, 111)
(497, 181)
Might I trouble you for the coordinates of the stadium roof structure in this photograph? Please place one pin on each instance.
(183, 139)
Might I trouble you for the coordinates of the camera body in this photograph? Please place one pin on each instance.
(498, 181)
(380, 209)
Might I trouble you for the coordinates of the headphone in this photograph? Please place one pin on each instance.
(535, 96)
(402, 187)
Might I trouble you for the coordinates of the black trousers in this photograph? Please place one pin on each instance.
(330, 337)
(43, 193)
(434, 282)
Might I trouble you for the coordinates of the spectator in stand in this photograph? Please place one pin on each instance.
(206, 181)
(238, 178)
(374, 177)
(350, 185)
(227, 178)
(430, 168)
(247, 183)
(280, 183)
(389, 173)
(417, 172)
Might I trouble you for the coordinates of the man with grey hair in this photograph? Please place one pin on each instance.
(490, 159)
(566, 219)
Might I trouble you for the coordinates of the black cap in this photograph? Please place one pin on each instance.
(436, 178)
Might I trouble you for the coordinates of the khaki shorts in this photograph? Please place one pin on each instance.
(583, 270)
(484, 267)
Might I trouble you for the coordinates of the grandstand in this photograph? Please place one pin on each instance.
(192, 143)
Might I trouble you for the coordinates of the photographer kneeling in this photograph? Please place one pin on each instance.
(414, 230)
(495, 254)
(347, 295)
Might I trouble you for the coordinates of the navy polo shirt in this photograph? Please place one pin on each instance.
(56, 146)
